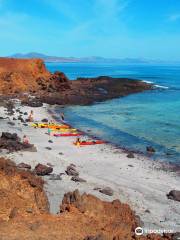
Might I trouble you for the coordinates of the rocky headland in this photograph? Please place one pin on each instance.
(21, 77)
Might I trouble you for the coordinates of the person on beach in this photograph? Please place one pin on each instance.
(30, 118)
(62, 117)
(51, 122)
(49, 131)
(25, 140)
(78, 142)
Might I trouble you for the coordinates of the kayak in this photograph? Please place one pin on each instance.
(66, 134)
(73, 130)
(85, 143)
(52, 126)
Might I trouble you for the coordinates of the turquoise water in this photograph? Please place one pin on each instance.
(149, 118)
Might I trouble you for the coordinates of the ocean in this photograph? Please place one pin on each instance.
(151, 118)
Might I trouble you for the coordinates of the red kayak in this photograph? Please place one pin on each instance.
(67, 134)
(90, 143)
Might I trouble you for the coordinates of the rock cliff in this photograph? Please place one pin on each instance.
(28, 75)
(19, 76)
(24, 212)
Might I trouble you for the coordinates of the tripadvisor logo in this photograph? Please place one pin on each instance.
(139, 231)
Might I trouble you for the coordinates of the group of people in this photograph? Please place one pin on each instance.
(31, 119)
(25, 139)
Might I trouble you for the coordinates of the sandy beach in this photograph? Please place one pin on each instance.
(137, 181)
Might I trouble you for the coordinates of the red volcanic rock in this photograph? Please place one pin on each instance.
(24, 213)
(43, 170)
(28, 75)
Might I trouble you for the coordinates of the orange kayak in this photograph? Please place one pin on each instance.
(66, 134)
(85, 143)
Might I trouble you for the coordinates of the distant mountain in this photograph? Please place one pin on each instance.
(93, 59)
(46, 58)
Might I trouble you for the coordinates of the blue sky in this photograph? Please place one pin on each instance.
(108, 28)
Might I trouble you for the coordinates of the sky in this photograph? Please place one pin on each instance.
(108, 28)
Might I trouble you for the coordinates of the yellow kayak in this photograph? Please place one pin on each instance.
(65, 130)
(52, 126)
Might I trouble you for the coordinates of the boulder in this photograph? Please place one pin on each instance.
(130, 165)
(11, 123)
(44, 120)
(107, 191)
(12, 142)
(130, 155)
(176, 236)
(42, 170)
(77, 179)
(48, 148)
(24, 165)
(174, 195)
(10, 136)
(34, 103)
(21, 119)
(150, 149)
(71, 171)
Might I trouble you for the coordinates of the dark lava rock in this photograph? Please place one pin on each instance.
(130, 165)
(14, 119)
(130, 155)
(71, 171)
(10, 113)
(10, 136)
(42, 170)
(139, 221)
(21, 119)
(174, 195)
(50, 141)
(147, 211)
(48, 148)
(176, 236)
(107, 191)
(25, 124)
(55, 177)
(34, 103)
(24, 165)
(78, 179)
(44, 120)
(11, 123)
(97, 188)
(25, 113)
(12, 142)
(150, 149)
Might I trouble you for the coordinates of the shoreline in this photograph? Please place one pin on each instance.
(136, 181)
(162, 162)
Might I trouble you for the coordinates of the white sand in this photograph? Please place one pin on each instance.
(143, 186)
